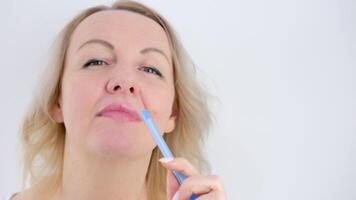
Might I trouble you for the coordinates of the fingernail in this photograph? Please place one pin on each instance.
(175, 196)
(165, 160)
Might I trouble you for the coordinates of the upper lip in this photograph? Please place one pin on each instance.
(120, 108)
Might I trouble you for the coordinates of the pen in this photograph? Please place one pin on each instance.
(162, 145)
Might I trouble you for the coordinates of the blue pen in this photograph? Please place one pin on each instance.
(162, 145)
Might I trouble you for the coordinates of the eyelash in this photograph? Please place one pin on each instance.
(152, 70)
(149, 69)
(94, 62)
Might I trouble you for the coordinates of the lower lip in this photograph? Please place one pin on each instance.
(120, 116)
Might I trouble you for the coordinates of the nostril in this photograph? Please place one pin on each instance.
(132, 89)
(117, 87)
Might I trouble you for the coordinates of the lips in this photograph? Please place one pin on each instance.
(120, 112)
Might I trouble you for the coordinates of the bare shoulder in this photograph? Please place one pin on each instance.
(34, 192)
(23, 195)
(27, 194)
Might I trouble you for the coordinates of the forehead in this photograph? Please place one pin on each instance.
(124, 29)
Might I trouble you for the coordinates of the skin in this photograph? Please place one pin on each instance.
(105, 158)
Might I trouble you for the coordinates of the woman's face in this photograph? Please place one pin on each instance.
(112, 57)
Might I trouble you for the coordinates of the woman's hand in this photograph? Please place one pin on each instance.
(204, 186)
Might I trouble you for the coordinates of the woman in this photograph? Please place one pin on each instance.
(82, 136)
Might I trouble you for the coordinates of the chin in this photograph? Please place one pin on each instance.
(118, 144)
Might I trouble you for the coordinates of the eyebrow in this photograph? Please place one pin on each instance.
(110, 46)
(99, 41)
(152, 49)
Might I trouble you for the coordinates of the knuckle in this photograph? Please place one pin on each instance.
(221, 196)
(185, 189)
(182, 160)
(215, 178)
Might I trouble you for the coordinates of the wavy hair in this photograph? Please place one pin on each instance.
(43, 139)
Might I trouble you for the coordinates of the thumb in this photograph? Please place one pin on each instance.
(172, 185)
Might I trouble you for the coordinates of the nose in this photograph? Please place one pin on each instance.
(124, 85)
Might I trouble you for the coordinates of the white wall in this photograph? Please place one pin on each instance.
(283, 71)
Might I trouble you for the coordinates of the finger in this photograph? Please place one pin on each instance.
(181, 165)
(216, 195)
(200, 185)
(172, 184)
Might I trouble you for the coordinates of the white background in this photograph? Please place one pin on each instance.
(283, 72)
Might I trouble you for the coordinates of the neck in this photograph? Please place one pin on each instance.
(88, 177)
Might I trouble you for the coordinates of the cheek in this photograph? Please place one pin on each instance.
(159, 102)
(79, 97)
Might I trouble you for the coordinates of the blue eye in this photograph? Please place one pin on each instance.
(152, 70)
(94, 62)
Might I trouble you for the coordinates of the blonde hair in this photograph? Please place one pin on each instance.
(43, 139)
